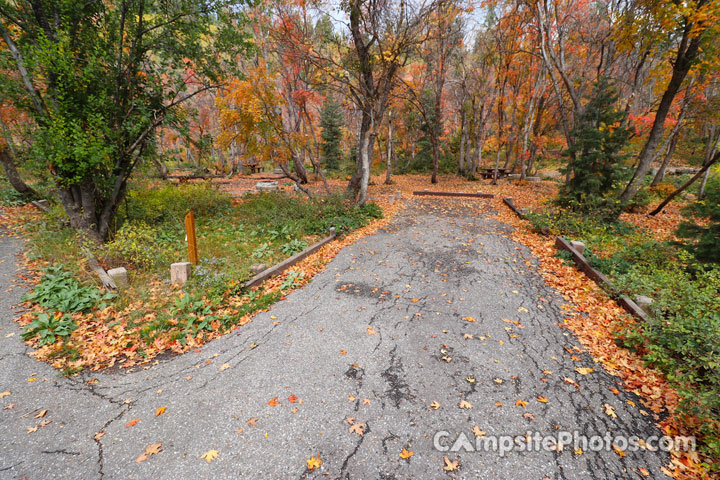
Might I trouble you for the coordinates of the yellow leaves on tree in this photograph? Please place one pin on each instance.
(251, 116)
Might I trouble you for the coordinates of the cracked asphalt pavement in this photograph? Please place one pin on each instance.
(380, 335)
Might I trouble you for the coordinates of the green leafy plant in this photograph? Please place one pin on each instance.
(261, 251)
(58, 291)
(49, 327)
(136, 243)
(10, 197)
(293, 280)
(293, 247)
(281, 233)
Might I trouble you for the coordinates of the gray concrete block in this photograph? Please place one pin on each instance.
(266, 186)
(578, 246)
(257, 268)
(180, 272)
(119, 276)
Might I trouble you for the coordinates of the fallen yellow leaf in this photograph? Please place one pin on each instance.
(314, 463)
(609, 410)
(450, 465)
(160, 411)
(210, 455)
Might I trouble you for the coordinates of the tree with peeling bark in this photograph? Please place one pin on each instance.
(98, 79)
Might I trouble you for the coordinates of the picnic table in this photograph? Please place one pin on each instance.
(254, 167)
(490, 172)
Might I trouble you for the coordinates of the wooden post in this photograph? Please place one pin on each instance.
(190, 231)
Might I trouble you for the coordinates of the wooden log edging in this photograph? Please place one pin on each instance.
(600, 279)
(105, 279)
(510, 203)
(289, 262)
(453, 194)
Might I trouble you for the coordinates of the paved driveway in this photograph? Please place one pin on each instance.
(441, 309)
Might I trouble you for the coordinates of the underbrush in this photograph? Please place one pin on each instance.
(682, 339)
(151, 315)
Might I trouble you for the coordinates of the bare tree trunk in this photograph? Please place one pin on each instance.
(299, 166)
(463, 141)
(13, 176)
(701, 193)
(357, 188)
(436, 160)
(298, 183)
(388, 171)
(497, 165)
(79, 203)
(660, 175)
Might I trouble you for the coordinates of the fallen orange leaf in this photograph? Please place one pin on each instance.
(405, 454)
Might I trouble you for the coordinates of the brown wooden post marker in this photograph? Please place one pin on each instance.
(190, 231)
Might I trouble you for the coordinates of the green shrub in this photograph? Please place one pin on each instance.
(49, 327)
(275, 211)
(58, 291)
(682, 339)
(9, 197)
(136, 243)
(172, 203)
(704, 239)
(293, 247)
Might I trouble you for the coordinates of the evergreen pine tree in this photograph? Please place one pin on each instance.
(331, 120)
(702, 228)
(596, 155)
